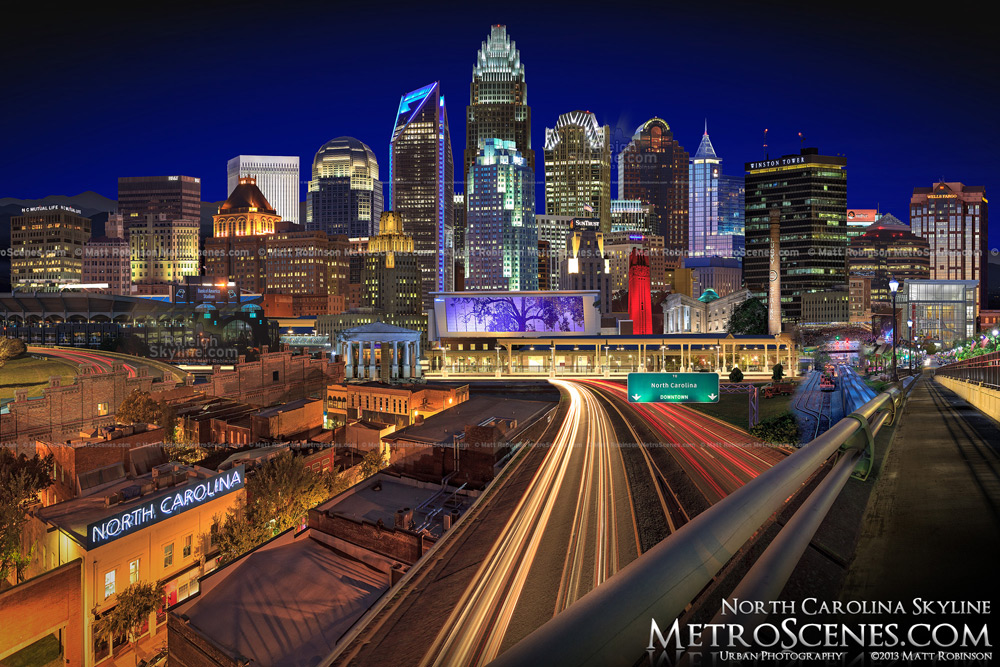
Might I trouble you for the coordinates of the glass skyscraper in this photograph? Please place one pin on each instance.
(498, 100)
(653, 168)
(715, 206)
(578, 168)
(345, 193)
(501, 237)
(422, 175)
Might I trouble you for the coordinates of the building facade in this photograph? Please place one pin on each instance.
(810, 192)
(715, 206)
(345, 193)
(954, 219)
(619, 247)
(860, 219)
(390, 276)
(653, 168)
(501, 236)
(943, 311)
(47, 247)
(887, 249)
(277, 176)
(859, 299)
(176, 197)
(498, 100)
(163, 250)
(554, 230)
(829, 307)
(246, 212)
(108, 260)
(586, 266)
(422, 175)
(709, 313)
(722, 275)
(631, 215)
(578, 168)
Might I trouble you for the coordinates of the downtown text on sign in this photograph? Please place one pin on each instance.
(150, 511)
(673, 388)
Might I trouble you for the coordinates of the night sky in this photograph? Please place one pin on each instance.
(179, 89)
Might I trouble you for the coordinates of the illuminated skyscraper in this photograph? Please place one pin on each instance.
(47, 245)
(501, 236)
(498, 100)
(715, 206)
(391, 276)
(177, 197)
(809, 193)
(345, 193)
(578, 168)
(422, 175)
(953, 218)
(653, 168)
(277, 176)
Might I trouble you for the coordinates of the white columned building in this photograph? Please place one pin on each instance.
(394, 353)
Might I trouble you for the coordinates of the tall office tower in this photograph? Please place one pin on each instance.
(653, 168)
(163, 250)
(578, 168)
(586, 266)
(390, 277)
(47, 247)
(953, 218)
(422, 175)
(712, 212)
(277, 177)
(544, 265)
(501, 238)
(176, 197)
(498, 100)
(106, 260)
(555, 229)
(345, 193)
(887, 249)
(461, 253)
(732, 212)
(631, 215)
(618, 246)
(809, 191)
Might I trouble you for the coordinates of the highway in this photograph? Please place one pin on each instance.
(95, 360)
(573, 528)
(617, 478)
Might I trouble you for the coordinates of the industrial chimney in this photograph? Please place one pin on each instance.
(774, 277)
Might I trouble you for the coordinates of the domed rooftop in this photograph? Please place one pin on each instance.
(344, 157)
(246, 196)
(708, 296)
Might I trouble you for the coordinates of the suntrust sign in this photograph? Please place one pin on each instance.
(148, 512)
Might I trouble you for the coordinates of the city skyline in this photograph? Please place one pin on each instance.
(198, 144)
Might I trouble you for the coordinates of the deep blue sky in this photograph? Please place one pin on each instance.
(178, 88)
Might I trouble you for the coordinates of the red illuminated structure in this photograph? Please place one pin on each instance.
(639, 306)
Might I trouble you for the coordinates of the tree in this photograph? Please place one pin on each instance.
(736, 375)
(139, 408)
(777, 372)
(748, 319)
(11, 348)
(780, 430)
(21, 479)
(373, 461)
(283, 489)
(238, 532)
(821, 360)
(130, 613)
(169, 423)
(930, 348)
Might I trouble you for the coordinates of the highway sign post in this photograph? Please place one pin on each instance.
(673, 388)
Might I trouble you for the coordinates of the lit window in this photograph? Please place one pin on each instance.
(168, 555)
(133, 571)
(109, 584)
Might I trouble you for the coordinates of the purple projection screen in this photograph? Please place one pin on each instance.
(514, 314)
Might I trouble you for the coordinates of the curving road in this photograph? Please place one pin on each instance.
(96, 361)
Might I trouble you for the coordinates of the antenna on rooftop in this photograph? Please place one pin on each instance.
(766, 156)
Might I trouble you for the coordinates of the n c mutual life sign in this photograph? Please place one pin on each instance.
(163, 506)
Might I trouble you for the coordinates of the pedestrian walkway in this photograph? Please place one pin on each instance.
(932, 526)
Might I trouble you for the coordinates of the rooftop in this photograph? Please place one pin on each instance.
(442, 427)
(286, 604)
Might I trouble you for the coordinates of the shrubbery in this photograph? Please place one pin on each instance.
(780, 430)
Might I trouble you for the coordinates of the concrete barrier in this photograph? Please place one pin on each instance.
(984, 399)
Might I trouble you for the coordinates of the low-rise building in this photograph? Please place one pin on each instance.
(829, 307)
(397, 404)
(155, 528)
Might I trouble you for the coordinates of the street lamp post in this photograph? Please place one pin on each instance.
(894, 287)
(909, 334)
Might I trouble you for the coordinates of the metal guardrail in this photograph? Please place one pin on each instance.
(612, 624)
(984, 369)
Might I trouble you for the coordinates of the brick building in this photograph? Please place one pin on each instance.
(399, 405)
(277, 377)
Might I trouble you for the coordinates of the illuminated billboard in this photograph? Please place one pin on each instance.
(516, 314)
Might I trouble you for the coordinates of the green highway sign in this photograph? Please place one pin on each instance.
(673, 388)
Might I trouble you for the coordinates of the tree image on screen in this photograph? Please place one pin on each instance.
(517, 313)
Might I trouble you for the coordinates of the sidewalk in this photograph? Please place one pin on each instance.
(932, 526)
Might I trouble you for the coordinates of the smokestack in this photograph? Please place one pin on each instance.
(774, 277)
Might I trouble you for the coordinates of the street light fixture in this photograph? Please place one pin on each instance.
(909, 333)
(894, 287)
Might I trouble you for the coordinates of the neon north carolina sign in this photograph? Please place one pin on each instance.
(153, 511)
